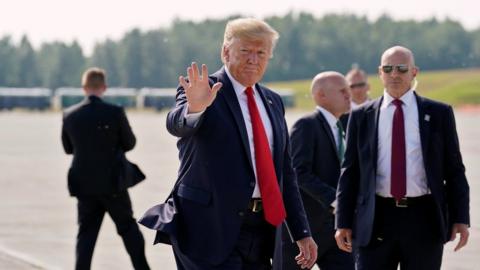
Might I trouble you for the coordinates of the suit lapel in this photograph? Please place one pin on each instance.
(328, 130)
(230, 97)
(424, 125)
(372, 115)
(276, 130)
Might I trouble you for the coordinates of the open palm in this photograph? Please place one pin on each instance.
(197, 89)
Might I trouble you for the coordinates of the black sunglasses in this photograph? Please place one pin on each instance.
(399, 68)
(360, 84)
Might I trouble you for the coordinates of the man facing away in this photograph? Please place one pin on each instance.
(403, 191)
(317, 142)
(98, 135)
(235, 185)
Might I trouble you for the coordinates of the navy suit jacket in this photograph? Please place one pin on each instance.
(317, 165)
(442, 161)
(216, 178)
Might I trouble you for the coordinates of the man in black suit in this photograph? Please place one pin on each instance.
(403, 190)
(98, 135)
(317, 142)
(235, 185)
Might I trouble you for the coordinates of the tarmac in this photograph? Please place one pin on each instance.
(38, 218)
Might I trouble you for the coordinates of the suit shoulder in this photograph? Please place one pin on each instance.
(435, 103)
(306, 121)
(366, 107)
(307, 118)
(270, 92)
(72, 109)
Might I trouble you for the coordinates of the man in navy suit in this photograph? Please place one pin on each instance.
(403, 191)
(317, 150)
(235, 184)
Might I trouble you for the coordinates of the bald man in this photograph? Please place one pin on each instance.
(403, 191)
(317, 142)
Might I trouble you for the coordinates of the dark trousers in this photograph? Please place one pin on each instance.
(253, 251)
(330, 257)
(409, 237)
(91, 210)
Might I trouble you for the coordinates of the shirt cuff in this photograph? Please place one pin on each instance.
(191, 119)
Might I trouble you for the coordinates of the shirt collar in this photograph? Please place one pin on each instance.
(238, 87)
(331, 119)
(355, 105)
(408, 98)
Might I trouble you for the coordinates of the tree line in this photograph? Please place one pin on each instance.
(307, 45)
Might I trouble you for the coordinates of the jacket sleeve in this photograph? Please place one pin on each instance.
(127, 138)
(302, 139)
(66, 142)
(457, 187)
(347, 189)
(176, 122)
(297, 223)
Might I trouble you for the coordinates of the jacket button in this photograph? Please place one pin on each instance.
(241, 213)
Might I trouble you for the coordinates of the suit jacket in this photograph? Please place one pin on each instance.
(216, 177)
(97, 134)
(442, 161)
(317, 165)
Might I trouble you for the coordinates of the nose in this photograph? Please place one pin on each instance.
(253, 58)
(348, 93)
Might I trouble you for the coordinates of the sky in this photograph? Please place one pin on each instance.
(92, 21)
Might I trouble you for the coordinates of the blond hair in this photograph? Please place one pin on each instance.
(249, 29)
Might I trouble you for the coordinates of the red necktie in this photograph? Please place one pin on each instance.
(399, 167)
(272, 201)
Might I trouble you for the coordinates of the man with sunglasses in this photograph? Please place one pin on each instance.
(359, 87)
(403, 191)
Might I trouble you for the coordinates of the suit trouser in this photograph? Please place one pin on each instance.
(409, 236)
(330, 257)
(253, 250)
(91, 210)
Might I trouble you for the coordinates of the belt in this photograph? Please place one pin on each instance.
(255, 205)
(403, 202)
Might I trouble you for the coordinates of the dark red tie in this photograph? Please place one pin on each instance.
(272, 201)
(399, 167)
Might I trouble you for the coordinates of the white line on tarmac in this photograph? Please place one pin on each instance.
(25, 259)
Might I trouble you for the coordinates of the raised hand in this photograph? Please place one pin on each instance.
(197, 89)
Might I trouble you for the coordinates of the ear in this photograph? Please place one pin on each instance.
(225, 53)
(414, 71)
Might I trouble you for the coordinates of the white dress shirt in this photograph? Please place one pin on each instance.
(192, 119)
(354, 105)
(416, 176)
(332, 122)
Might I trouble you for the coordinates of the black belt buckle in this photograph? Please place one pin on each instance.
(402, 203)
(257, 206)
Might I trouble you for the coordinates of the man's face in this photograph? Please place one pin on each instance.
(397, 72)
(358, 87)
(337, 96)
(247, 60)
